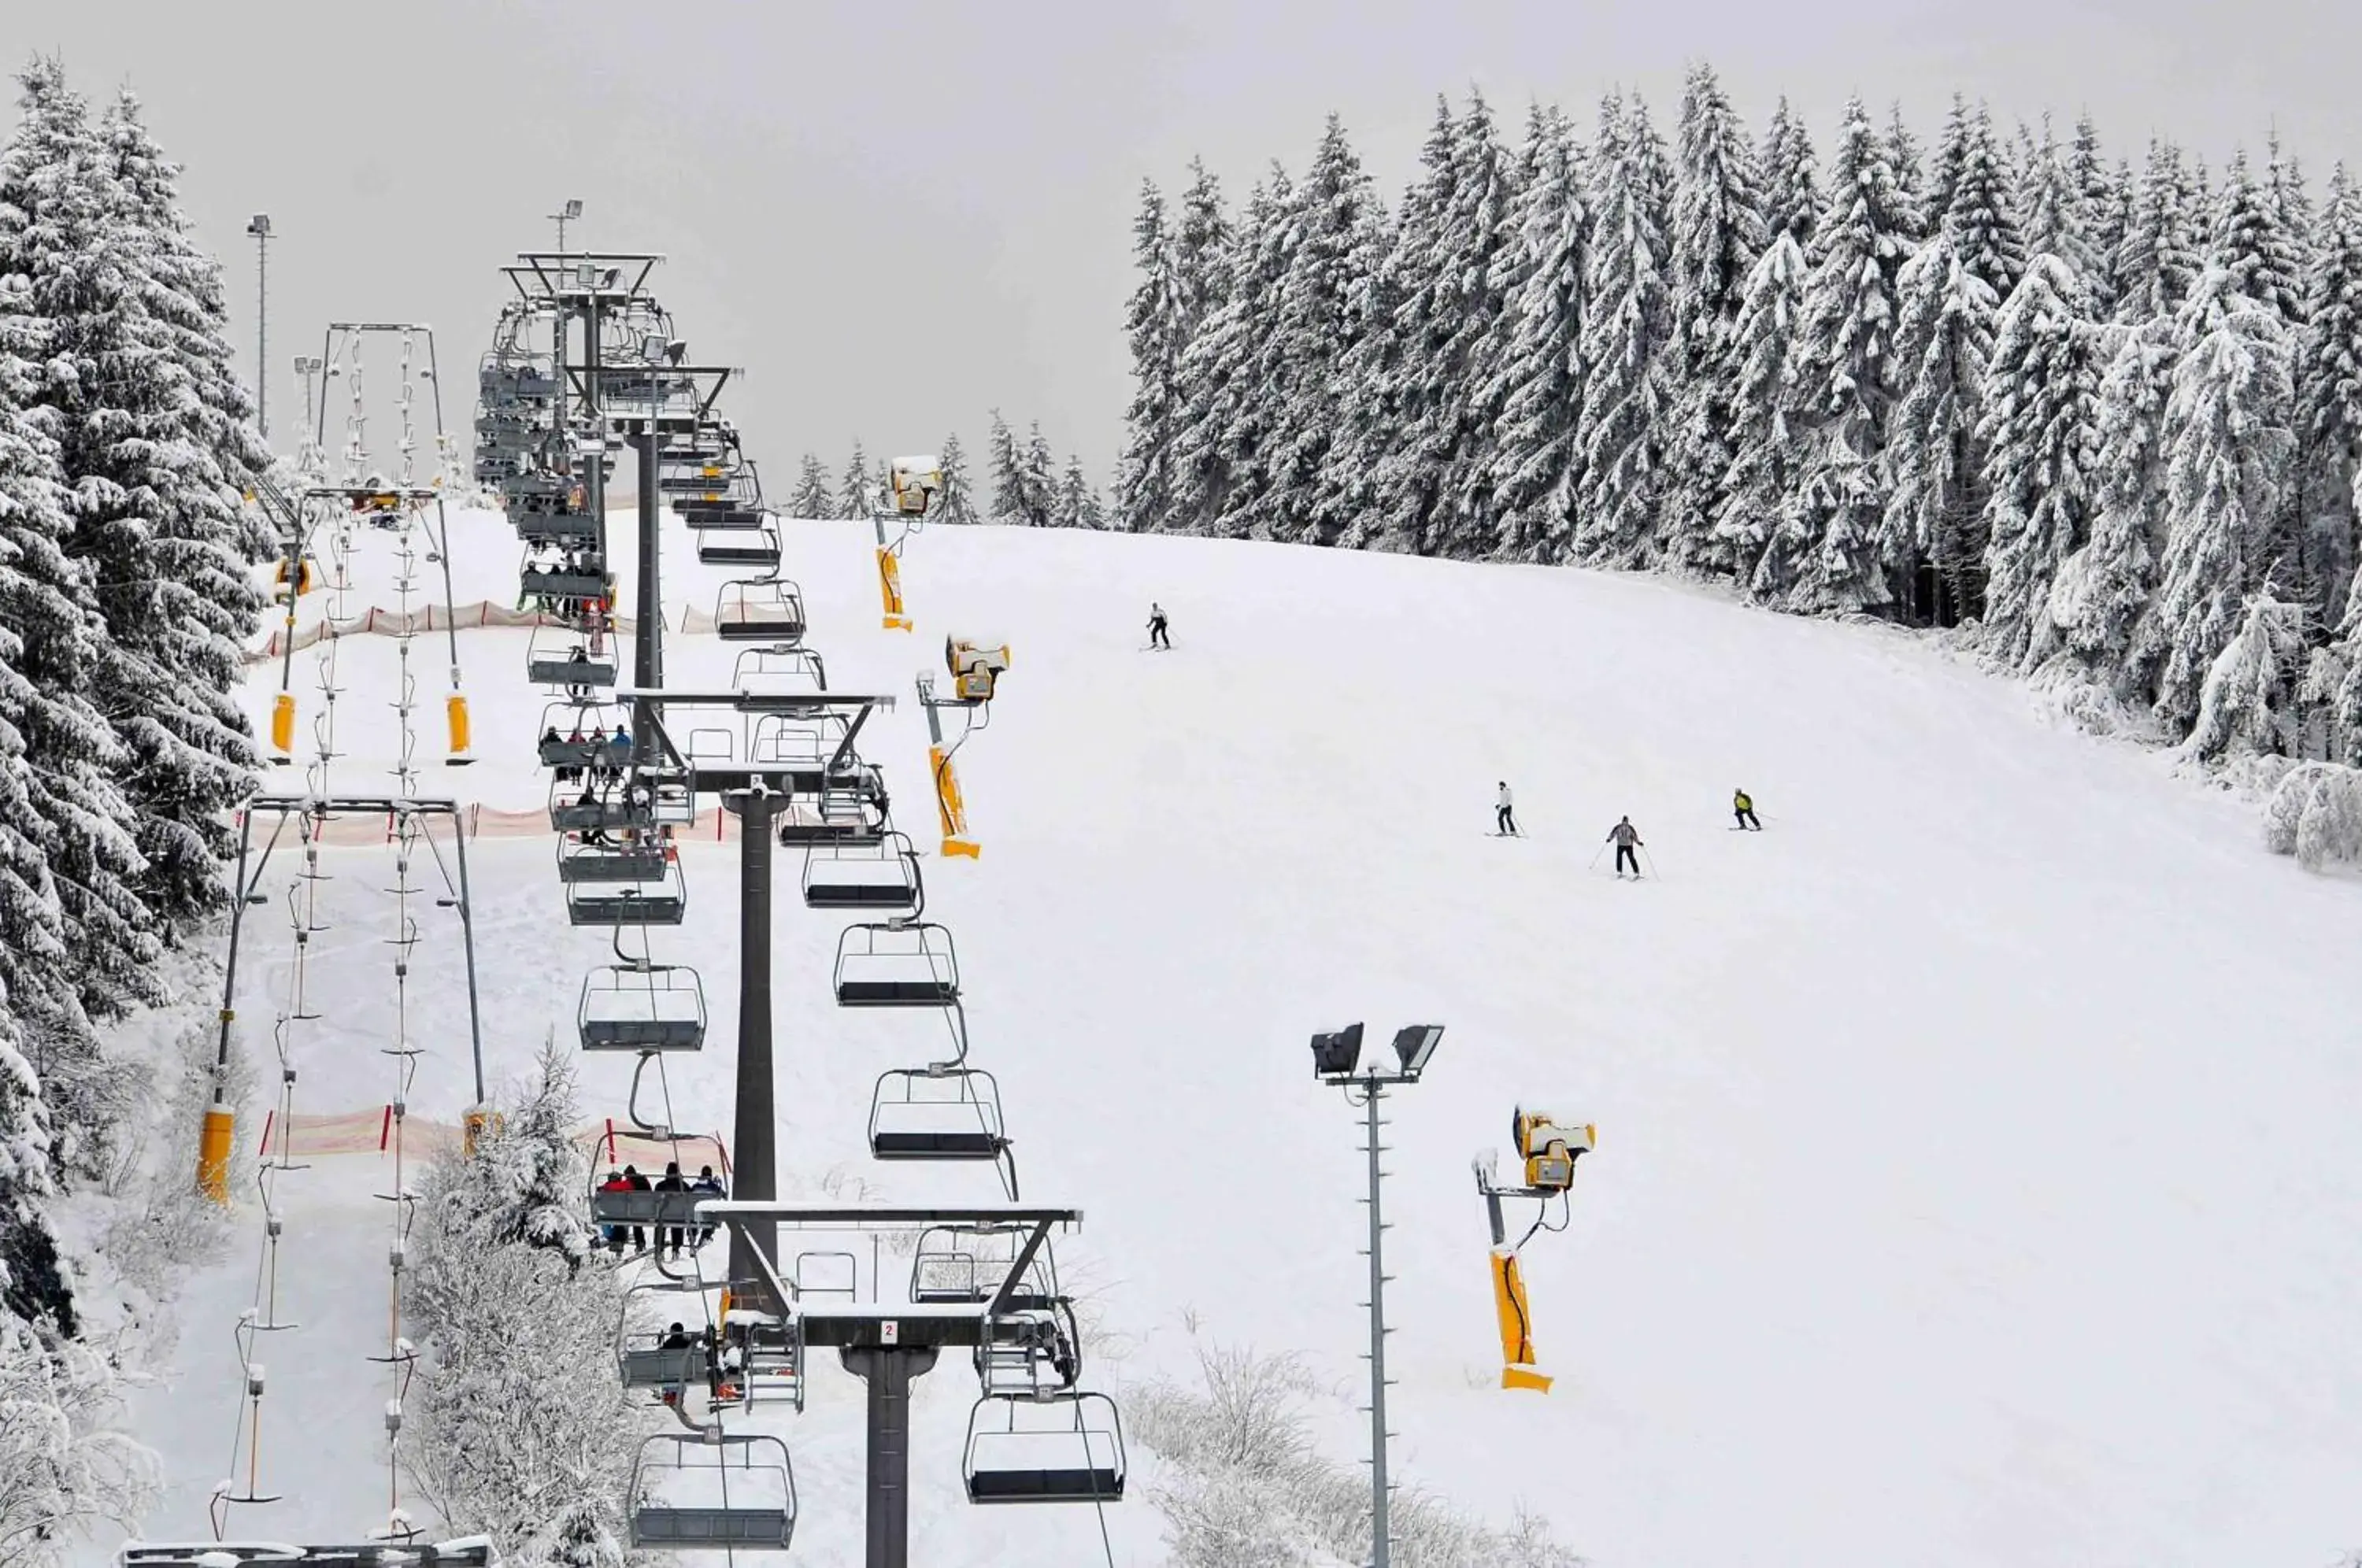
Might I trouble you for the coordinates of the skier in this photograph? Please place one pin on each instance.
(612, 1236)
(677, 1340)
(1744, 810)
(635, 1181)
(706, 1186)
(1504, 822)
(669, 1237)
(1156, 638)
(1626, 840)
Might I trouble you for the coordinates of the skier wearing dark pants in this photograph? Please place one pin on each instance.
(1744, 810)
(1626, 840)
(1504, 820)
(1156, 638)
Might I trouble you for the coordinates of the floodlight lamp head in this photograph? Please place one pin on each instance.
(585, 275)
(1414, 1044)
(572, 209)
(652, 347)
(1336, 1053)
(260, 226)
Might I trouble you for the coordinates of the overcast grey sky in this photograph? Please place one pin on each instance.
(896, 214)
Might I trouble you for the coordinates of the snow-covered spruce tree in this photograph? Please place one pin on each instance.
(858, 490)
(1932, 533)
(2228, 447)
(1767, 349)
(1539, 372)
(2329, 405)
(1718, 233)
(1201, 251)
(1338, 237)
(2038, 434)
(2248, 702)
(2249, 241)
(2159, 259)
(172, 554)
(1792, 202)
(1041, 476)
(1079, 505)
(2100, 190)
(958, 503)
(1204, 256)
(1155, 329)
(2100, 597)
(1433, 484)
(1850, 327)
(74, 324)
(1008, 472)
(503, 1305)
(1627, 342)
(65, 1466)
(811, 497)
(1234, 381)
(2050, 208)
(1907, 166)
(1951, 293)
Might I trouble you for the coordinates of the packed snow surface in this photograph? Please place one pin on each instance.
(1972, 1184)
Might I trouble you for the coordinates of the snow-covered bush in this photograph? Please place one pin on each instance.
(1247, 1489)
(63, 1466)
(2247, 703)
(518, 1425)
(2316, 815)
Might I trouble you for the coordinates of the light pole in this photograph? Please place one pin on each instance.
(1335, 1057)
(568, 213)
(259, 227)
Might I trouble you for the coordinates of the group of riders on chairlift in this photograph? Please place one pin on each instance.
(670, 1239)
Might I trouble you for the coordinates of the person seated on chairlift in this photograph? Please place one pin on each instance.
(612, 1236)
(635, 1182)
(707, 1185)
(676, 1338)
(669, 1237)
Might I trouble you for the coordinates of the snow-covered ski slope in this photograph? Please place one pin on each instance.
(1971, 1185)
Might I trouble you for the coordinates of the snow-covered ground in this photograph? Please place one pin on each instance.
(1970, 1189)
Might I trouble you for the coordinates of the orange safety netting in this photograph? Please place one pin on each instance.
(371, 1132)
(487, 821)
(381, 622)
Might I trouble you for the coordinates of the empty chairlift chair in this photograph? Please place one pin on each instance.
(1067, 1448)
(880, 877)
(847, 815)
(759, 613)
(936, 1114)
(662, 901)
(897, 964)
(777, 672)
(655, 1007)
(965, 1263)
(758, 547)
(693, 1491)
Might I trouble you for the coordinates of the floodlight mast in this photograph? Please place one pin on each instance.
(1335, 1057)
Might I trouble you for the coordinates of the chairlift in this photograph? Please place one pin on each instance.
(661, 901)
(570, 666)
(882, 876)
(610, 863)
(722, 517)
(642, 1007)
(551, 526)
(614, 807)
(847, 815)
(758, 549)
(936, 1114)
(779, 671)
(965, 1263)
(644, 1361)
(1066, 1448)
(565, 581)
(712, 1491)
(759, 613)
(770, 1351)
(584, 734)
(1032, 1353)
(897, 964)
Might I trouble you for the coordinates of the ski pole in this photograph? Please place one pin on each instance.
(1596, 854)
(1651, 860)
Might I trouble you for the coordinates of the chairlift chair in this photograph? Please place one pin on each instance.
(570, 666)
(757, 549)
(642, 1007)
(564, 583)
(936, 1114)
(1067, 1448)
(847, 815)
(644, 1362)
(897, 964)
(965, 1262)
(722, 517)
(777, 671)
(612, 808)
(551, 526)
(1032, 1353)
(662, 901)
(759, 613)
(610, 863)
(697, 1496)
(882, 876)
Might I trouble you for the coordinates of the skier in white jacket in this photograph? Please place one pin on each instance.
(1504, 820)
